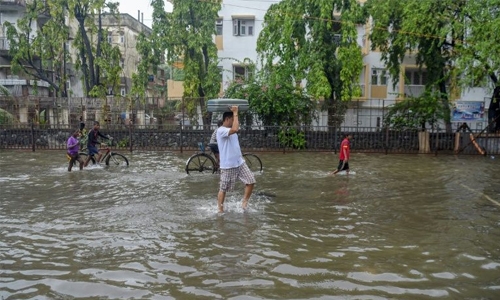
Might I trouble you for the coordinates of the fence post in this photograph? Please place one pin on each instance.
(335, 140)
(437, 142)
(180, 130)
(130, 129)
(32, 137)
(386, 140)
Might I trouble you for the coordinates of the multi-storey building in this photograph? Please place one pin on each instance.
(123, 31)
(119, 30)
(18, 85)
(238, 28)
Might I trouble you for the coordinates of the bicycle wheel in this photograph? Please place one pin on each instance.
(84, 156)
(116, 159)
(200, 163)
(253, 162)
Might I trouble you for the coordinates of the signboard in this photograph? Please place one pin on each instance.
(468, 111)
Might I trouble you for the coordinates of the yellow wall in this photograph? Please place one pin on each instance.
(219, 42)
(379, 91)
(175, 89)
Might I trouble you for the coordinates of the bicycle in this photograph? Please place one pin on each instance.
(202, 162)
(109, 157)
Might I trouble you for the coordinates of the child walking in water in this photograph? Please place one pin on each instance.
(345, 152)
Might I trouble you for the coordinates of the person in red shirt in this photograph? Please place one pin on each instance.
(345, 152)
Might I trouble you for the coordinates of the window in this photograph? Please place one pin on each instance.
(221, 73)
(110, 38)
(241, 72)
(379, 77)
(337, 38)
(110, 91)
(123, 92)
(415, 77)
(218, 27)
(122, 63)
(243, 27)
(122, 38)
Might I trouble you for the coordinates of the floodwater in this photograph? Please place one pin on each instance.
(401, 227)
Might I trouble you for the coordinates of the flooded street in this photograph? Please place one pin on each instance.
(400, 227)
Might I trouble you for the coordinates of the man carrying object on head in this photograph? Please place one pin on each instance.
(232, 163)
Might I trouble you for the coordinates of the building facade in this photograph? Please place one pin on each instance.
(238, 28)
(17, 84)
(122, 31)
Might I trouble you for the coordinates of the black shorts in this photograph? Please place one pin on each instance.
(343, 166)
(214, 148)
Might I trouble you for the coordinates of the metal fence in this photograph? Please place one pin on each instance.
(161, 124)
(162, 112)
(176, 138)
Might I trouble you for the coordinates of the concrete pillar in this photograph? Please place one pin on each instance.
(64, 117)
(457, 142)
(23, 115)
(424, 142)
(52, 114)
(140, 119)
(98, 115)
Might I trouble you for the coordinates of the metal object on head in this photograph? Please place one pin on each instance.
(223, 105)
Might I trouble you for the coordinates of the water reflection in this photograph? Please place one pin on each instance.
(400, 227)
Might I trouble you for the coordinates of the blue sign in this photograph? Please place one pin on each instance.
(468, 111)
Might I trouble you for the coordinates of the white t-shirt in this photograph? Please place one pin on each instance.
(229, 149)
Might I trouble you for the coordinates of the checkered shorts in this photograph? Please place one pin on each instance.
(228, 177)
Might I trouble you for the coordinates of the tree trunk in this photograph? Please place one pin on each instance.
(446, 106)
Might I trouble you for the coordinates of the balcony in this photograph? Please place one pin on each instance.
(413, 90)
(15, 81)
(12, 5)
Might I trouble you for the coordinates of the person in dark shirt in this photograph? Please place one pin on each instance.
(93, 141)
(82, 124)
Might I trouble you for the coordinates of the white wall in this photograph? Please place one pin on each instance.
(237, 48)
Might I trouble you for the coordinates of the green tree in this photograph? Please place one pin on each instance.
(275, 100)
(37, 44)
(97, 59)
(186, 35)
(4, 91)
(452, 40)
(151, 49)
(415, 112)
(303, 39)
(476, 60)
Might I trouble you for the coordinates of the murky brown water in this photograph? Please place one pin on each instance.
(401, 227)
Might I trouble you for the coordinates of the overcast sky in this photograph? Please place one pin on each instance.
(132, 6)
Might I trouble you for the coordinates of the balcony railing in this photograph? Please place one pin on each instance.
(9, 4)
(18, 2)
(23, 82)
(414, 90)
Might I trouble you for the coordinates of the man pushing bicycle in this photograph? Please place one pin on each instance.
(93, 141)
